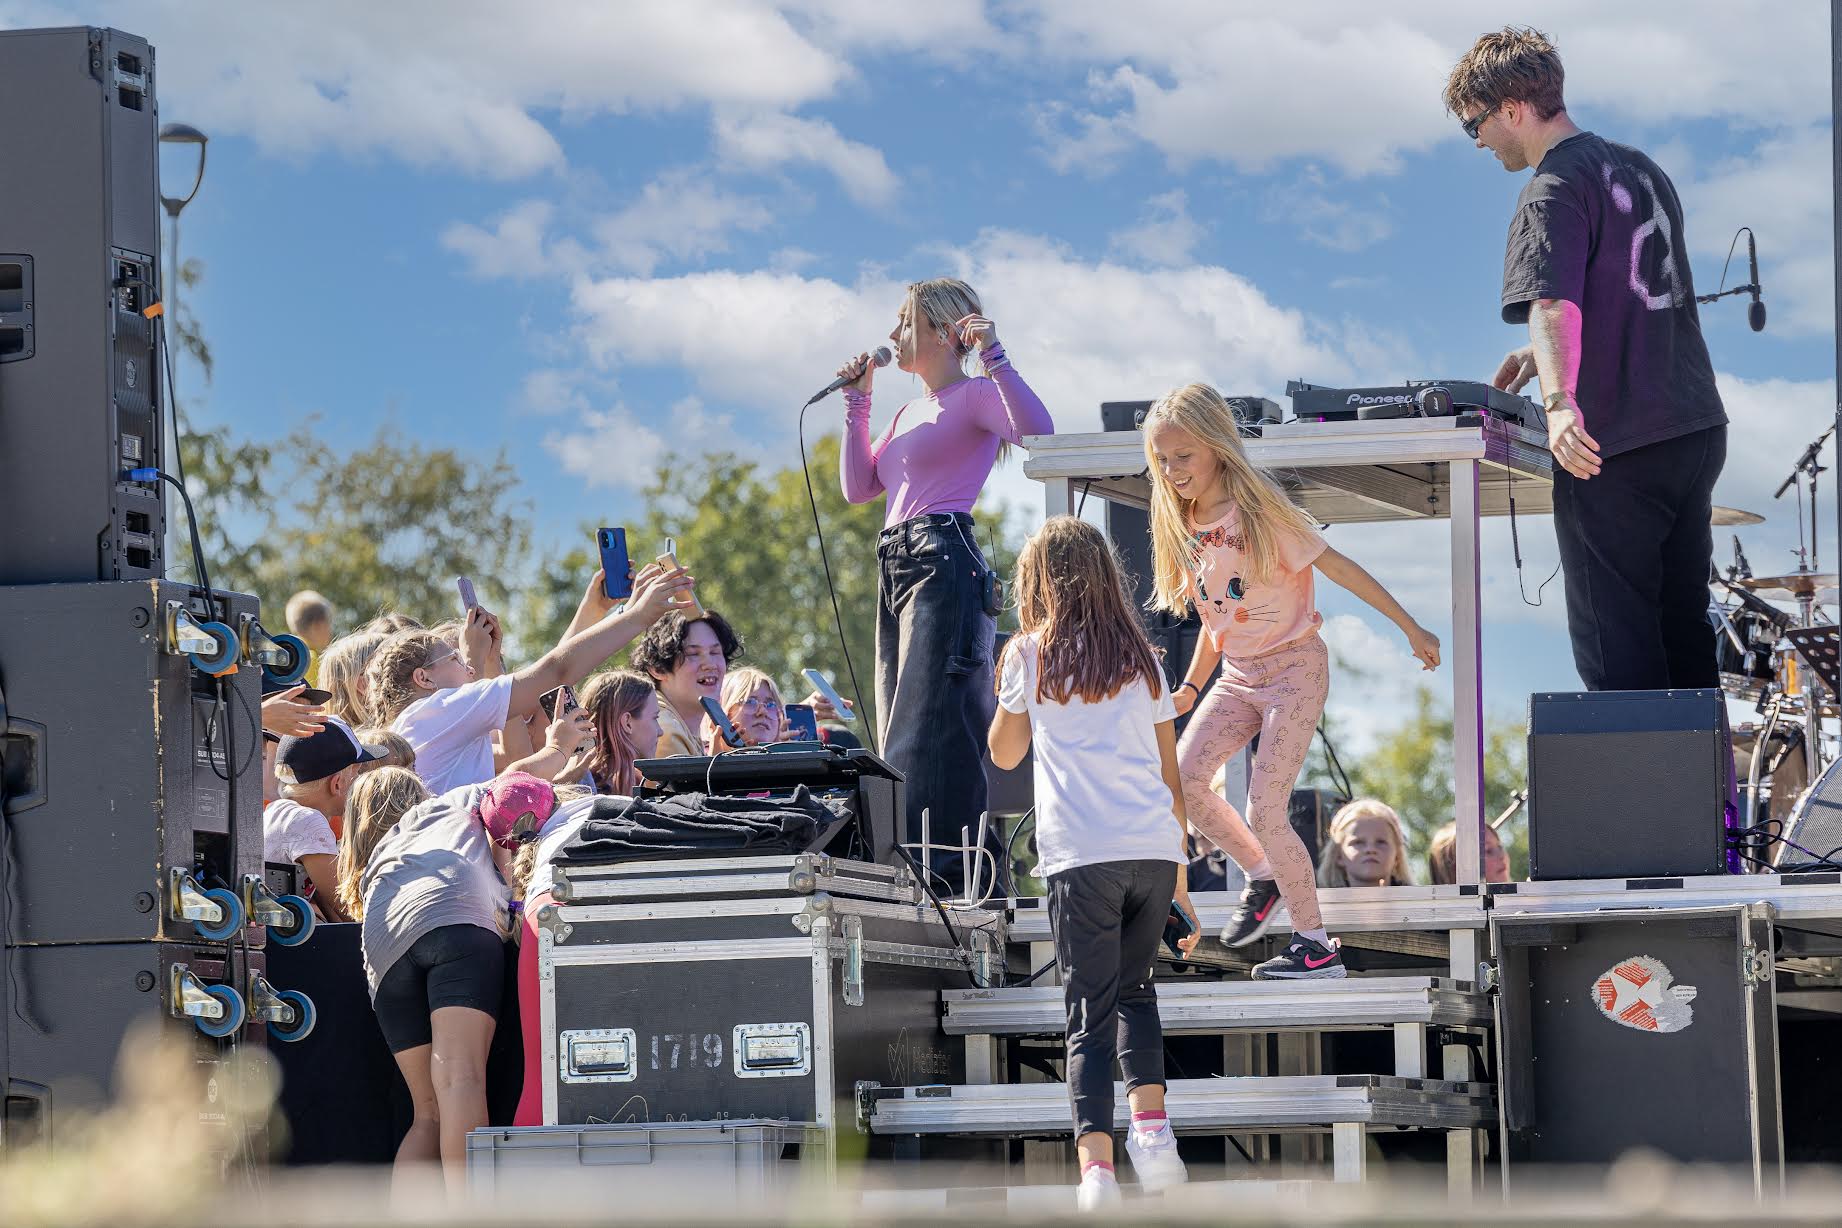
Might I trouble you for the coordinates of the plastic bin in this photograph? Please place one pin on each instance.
(738, 1158)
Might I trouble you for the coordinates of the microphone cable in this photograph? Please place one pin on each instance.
(831, 588)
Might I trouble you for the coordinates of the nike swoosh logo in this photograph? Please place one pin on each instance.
(1266, 908)
(1315, 964)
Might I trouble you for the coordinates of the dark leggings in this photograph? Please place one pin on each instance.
(1108, 919)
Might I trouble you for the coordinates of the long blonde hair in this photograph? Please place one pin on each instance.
(390, 677)
(1330, 861)
(342, 672)
(1267, 513)
(943, 302)
(378, 800)
(1071, 595)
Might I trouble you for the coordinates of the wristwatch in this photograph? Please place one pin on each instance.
(1553, 398)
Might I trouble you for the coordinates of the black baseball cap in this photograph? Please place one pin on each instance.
(310, 695)
(303, 760)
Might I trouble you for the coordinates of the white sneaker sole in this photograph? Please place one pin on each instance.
(1336, 972)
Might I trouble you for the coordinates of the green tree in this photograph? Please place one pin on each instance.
(1412, 770)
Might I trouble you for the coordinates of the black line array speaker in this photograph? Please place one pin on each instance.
(1629, 784)
(116, 759)
(80, 396)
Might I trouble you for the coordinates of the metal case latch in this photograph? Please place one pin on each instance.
(772, 1050)
(853, 961)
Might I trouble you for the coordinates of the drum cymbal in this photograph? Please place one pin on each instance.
(1792, 584)
(1733, 517)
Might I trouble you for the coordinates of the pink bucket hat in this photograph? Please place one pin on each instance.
(515, 808)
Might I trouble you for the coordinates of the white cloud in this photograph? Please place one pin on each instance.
(681, 215)
(550, 390)
(1357, 85)
(766, 140)
(514, 246)
(1340, 225)
(1783, 191)
(1374, 692)
(1165, 233)
(617, 448)
(461, 84)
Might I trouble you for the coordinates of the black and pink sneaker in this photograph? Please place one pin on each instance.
(1304, 960)
(1259, 901)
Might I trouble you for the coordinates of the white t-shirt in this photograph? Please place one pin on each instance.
(452, 732)
(1100, 791)
(563, 825)
(291, 831)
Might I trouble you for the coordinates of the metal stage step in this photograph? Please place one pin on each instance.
(1237, 1006)
(1346, 1105)
(1346, 910)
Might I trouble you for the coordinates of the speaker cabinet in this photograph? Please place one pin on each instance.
(118, 760)
(80, 392)
(1628, 784)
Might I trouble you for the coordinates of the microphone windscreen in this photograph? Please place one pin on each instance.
(1755, 316)
(880, 356)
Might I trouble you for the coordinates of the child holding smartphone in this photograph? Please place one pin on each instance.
(1081, 680)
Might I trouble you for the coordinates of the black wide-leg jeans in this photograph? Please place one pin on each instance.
(1636, 548)
(934, 696)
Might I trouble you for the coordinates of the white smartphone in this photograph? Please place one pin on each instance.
(822, 685)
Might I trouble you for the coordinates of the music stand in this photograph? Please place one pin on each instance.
(1817, 648)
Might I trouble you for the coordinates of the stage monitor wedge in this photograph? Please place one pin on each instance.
(80, 393)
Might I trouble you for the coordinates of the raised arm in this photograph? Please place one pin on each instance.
(858, 458)
(1016, 411)
(570, 661)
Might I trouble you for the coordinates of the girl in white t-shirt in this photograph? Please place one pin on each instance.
(1081, 681)
(423, 688)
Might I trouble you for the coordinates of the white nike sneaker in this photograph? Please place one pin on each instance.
(1098, 1191)
(1154, 1157)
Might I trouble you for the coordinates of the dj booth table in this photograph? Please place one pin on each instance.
(1460, 468)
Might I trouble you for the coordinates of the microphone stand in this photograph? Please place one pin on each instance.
(1808, 464)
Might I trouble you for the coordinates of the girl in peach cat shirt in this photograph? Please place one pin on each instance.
(1228, 541)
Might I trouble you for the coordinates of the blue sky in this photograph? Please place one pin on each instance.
(590, 231)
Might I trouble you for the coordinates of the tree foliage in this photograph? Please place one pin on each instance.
(1412, 770)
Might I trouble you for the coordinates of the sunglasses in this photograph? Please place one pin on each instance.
(1475, 124)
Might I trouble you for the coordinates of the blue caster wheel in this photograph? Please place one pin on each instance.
(297, 932)
(297, 667)
(228, 648)
(305, 1017)
(233, 916)
(234, 1012)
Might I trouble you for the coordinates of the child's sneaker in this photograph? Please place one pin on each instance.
(1304, 960)
(1259, 901)
(1099, 1189)
(1154, 1155)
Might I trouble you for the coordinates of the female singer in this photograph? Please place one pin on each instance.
(936, 596)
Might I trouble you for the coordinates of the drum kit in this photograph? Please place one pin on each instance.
(1781, 660)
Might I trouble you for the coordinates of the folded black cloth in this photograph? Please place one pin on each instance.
(699, 825)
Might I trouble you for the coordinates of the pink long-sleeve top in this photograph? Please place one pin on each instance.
(937, 453)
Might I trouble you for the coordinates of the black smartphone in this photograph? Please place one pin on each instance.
(467, 596)
(615, 563)
(803, 723)
(560, 701)
(1180, 926)
(720, 719)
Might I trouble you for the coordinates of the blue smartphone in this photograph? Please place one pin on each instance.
(1180, 926)
(615, 582)
(802, 722)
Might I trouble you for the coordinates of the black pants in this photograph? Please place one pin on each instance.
(1108, 919)
(1636, 549)
(934, 696)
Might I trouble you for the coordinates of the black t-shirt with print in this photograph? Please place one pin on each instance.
(1599, 225)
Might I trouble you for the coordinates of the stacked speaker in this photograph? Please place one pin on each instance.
(132, 885)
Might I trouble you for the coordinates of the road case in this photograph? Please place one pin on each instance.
(706, 1005)
(1640, 1028)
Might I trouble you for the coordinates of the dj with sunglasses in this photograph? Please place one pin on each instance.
(1597, 267)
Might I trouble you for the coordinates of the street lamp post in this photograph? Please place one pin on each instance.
(176, 135)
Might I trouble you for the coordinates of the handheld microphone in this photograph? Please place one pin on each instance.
(1755, 314)
(879, 357)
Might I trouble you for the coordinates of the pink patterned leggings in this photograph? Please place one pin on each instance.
(1279, 696)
